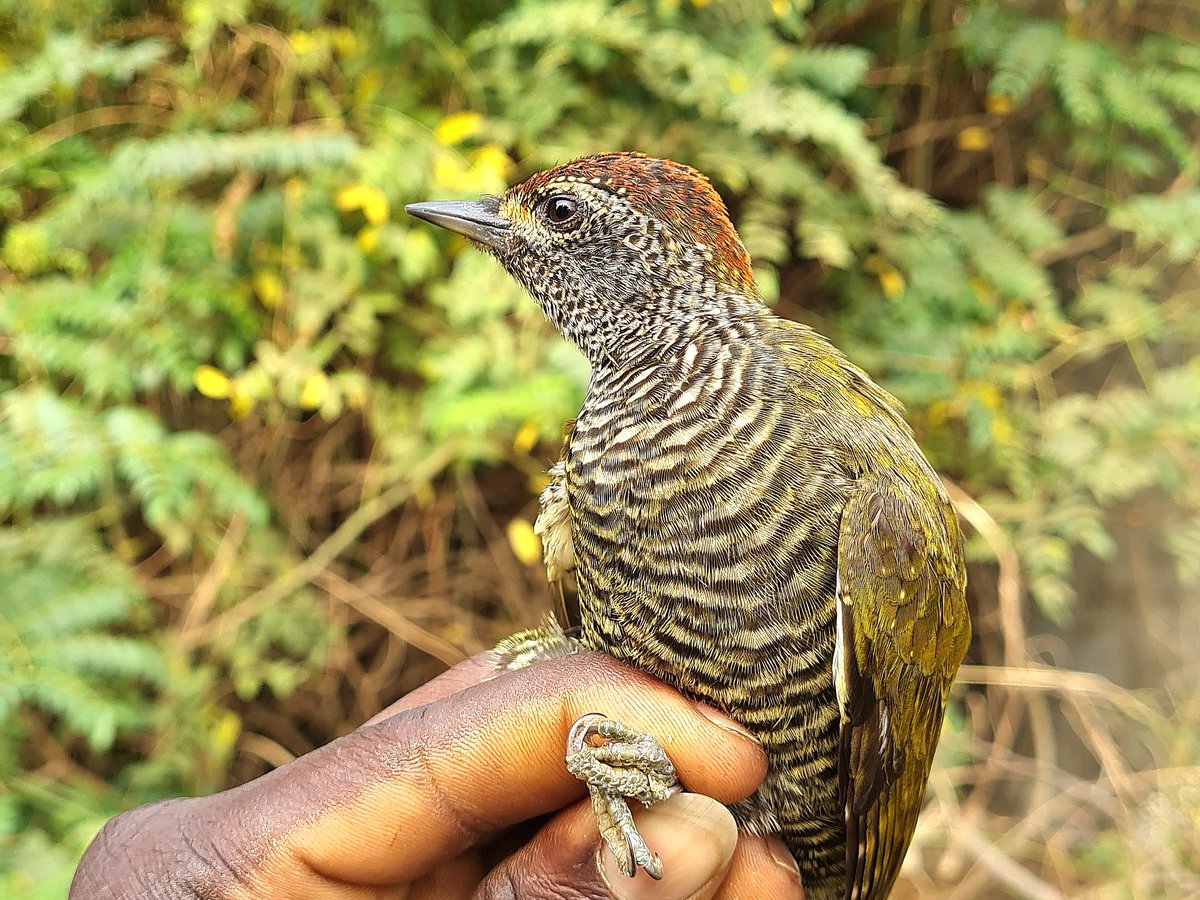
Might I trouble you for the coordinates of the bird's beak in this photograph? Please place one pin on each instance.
(478, 220)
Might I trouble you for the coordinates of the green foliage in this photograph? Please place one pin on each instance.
(223, 352)
(1104, 83)
(1156, 220)
(62, 592)
(65, 61)
(62, 596)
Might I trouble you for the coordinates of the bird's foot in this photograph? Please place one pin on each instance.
(618, 763)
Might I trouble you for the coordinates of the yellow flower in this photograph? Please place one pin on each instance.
(370, 200)
(240, 403)
(974, 138)
(524, 542)
(525, 438)
(268, 286)
(491, 163)
(486, 172)
(301, 41)
(1002, 430)
(939, 412)
(458, 127)
(212, 382)
(314, 390)
(999, 104)
(367, 239)
(449, 171)
(225, 731)
(366, 86)
(345, 41)
(891, 282)
(987, 395)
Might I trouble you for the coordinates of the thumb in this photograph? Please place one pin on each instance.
(695, 836)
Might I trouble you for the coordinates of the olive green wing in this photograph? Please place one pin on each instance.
(902, 631)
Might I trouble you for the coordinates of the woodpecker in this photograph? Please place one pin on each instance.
(747, 515)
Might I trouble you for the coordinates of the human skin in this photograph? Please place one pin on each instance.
(418, 801)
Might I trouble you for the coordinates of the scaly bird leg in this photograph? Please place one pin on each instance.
(614, 761)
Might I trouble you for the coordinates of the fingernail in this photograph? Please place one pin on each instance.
(721, 720)
(784, 859)
(695, 837)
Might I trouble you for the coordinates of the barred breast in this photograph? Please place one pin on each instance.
(705, 522)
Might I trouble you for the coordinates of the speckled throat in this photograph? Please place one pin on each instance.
(705, 508)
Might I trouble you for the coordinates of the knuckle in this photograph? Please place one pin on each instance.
(160, 852)
(467, 819)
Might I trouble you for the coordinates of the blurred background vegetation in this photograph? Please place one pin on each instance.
(270, 451)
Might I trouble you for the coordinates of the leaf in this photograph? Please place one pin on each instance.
(185, 157)
(836, 70)
(1021, 219)
(1172, 222)
(65, 60)
(1024, 59)
(1075, 73)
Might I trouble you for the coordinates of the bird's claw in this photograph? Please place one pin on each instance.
(616, 763)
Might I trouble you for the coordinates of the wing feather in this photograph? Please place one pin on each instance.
(902, 631)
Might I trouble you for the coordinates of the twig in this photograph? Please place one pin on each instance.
(333, 546)
(271, 752)
(1068, 682)
(1013, 876)
(1012, 620)
(391, 619)
(69, 126)
(205, 595)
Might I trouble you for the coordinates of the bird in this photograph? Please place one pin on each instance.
(746, 515)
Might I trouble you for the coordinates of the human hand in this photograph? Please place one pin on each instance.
(411, 805)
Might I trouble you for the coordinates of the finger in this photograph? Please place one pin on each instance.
(761, 869)
(694, 835)
(386, 803)
(480, 667)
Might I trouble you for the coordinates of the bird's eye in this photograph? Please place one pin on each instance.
(561, 209)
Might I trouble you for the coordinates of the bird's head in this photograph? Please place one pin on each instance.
(621, 251)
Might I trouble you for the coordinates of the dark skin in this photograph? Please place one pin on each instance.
(434, 797)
